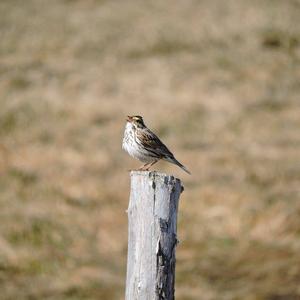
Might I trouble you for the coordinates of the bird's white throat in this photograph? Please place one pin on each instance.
(128, 138)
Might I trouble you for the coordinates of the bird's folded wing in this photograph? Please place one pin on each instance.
(153, 144)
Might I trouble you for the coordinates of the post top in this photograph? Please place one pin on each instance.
(149, 173)
(155, 175)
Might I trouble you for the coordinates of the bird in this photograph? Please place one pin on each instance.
(141, 143)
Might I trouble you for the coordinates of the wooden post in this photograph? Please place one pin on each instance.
(152, 218)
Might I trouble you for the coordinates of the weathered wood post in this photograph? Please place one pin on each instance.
(152, 218)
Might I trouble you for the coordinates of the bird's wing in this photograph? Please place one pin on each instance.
(153, 144)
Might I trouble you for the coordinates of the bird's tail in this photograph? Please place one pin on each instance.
(176, 162)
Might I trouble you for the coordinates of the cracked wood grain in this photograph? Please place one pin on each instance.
(152, 227)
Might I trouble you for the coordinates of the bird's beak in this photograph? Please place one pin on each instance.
(129, 119)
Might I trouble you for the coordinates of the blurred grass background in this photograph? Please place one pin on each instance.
(219, 81)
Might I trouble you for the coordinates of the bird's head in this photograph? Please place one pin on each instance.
(136, 121)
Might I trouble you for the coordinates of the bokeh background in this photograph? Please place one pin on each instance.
(218, 81)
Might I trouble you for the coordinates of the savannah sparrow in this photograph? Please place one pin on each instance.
(141, 143)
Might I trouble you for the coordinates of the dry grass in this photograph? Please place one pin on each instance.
(218, 80)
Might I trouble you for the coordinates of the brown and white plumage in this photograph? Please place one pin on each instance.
(141, 143)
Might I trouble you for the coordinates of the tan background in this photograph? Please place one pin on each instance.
(217, 80)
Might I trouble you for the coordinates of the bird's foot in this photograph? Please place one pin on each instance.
(139, 169)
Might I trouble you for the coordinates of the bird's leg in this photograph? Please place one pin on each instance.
(142, 168)
(151, 164)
